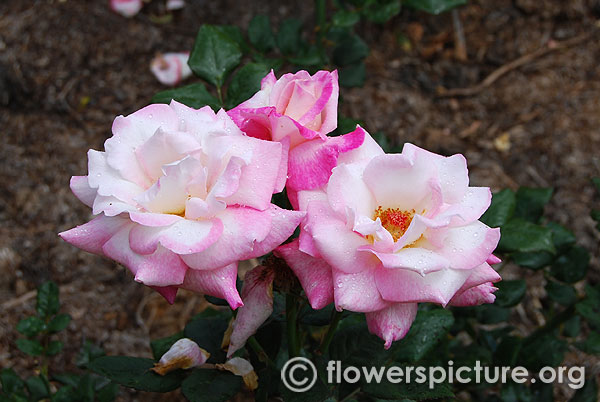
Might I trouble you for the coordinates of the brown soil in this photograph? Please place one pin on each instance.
(68, 67)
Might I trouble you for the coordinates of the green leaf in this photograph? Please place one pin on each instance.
(353, 75)
(260, 33)
(572, 326)
(134, 372)
(47, 299)
(562, 294)
(30, 346)
(211, 386)
(58, 323)
(592, 344)
(533, 260)
(425, 333)
(345, 18)
(234, 34)
(521, 235)
(589, 392)
(85, 388)
(288, 38)
(492, 314)
(245, 83)
(501, 209)
(309, 56)
(434, 6)
(31, 326)
(507, 352)
(10, 381)
(510, 292)
(317, 393)
(321, 317)
(108, 393)
(350, 50)
(545, 350)
(194, 95)
(54, 348)
(531, 202)
(214, 55)
(64, 394)
(207, 329)
(407, 390)
(571, 266)
(561, 236)
(161, 346)
(88, 352)
(381, 11)
(37, 387)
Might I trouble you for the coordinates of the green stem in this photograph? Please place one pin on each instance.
(262, 355)
(336, 316)
(291, 313)
(220, 95)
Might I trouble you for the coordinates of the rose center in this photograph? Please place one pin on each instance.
(394, 220)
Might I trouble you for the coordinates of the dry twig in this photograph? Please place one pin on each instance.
(490, 79)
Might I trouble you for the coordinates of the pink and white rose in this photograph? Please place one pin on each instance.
(389, 231)
(171, 68)
(299, 110)
(181, 195)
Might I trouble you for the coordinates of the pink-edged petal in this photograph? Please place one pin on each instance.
(153, 219)
(283, 224)
(91, 236)
(127, 8)
(109, 181)
(183, 237)
(416, 259)
(335, 242)
(357, 292)
(346, 189)
(304, 197)
(466, 246)
(139, 126)
(243, 227)
(397, 181)
(475, 201)
(162, 268)
(492, 259)
(475, 296)
(480, 275)
(310, 164)
(314, 274)
(392, 323)
(368, 150)
(82, 190)
(307, 245)
(257, 295)
(329, 107)
(283, 167)
(111, 206)
(259, 177)
(171, 68)
(405, 286)
(218, 282)
(168, 292)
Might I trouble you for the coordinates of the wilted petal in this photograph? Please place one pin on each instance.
(257, 295)
(183, 354)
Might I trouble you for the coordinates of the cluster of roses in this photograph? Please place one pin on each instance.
(182, 195)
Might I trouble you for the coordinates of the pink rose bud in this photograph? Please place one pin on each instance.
(389, 231)
(171, 68)
(184, 354)
(299, 110)
(175, 4)
(127, 8)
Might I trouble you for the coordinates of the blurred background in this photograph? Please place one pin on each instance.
(68, 67)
